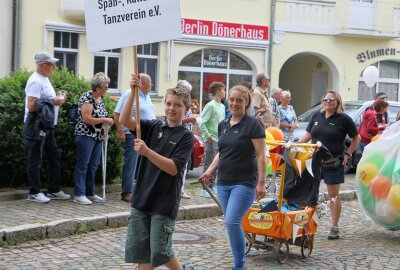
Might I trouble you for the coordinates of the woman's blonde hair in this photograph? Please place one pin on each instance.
(246, 95)
(339, 101)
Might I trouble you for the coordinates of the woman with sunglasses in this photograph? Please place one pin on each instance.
(330, 126)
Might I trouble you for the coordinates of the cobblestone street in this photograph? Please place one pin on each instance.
(203, 244)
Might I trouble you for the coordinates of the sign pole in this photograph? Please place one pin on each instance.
(136, 90)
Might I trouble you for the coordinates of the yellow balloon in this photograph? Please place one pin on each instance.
(394, 197)
(366, 172)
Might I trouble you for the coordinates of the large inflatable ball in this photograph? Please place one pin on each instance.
(276, 133)
(378, 184)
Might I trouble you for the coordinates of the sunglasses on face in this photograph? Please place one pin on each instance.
(329, 99)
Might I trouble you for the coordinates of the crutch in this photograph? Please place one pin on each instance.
(104, 145)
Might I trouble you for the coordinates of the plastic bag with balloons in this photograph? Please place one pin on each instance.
(378, 179)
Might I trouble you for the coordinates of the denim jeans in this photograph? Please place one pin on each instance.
(130, 164)
(362, 146)
(88, 154)
(235, 201)
(211, 150)
(47, 144)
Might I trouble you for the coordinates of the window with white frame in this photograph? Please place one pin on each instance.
(66, 49)
(148, 62)
(388, 82)
(108, 62)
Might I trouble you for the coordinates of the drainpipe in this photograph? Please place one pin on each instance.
(14, 26)
(16, 50)
(271, 37)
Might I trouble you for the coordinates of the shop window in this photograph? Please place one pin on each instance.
(108, 63)
(388, 82)
(205, 66)
(148, 62)
(236, 62)
(66, 49)
(192, 60)
(213, 58)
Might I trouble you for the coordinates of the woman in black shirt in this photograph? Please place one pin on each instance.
(241, 168)
(330, 127)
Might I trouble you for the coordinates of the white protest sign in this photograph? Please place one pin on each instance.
(114, 24)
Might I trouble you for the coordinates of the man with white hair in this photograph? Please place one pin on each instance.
(260, 99)
(147, 112)
(187, 122)
(39, 90)
(274, 100)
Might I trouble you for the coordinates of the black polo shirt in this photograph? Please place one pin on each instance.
(237, 155)
(332, 131)
(157, 191)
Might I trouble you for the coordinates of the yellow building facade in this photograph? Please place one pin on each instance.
(305, 46)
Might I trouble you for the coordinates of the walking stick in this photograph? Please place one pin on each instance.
(211, 194)
(104, 145)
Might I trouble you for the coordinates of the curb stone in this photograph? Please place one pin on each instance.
(201, 211)
(116, 220)
(95, 223)
(66, 227)
(61, 228)
(22, 233)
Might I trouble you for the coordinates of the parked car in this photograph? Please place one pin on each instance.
(355, 109)
(197, 158)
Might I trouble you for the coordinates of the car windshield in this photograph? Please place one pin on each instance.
(349, 109)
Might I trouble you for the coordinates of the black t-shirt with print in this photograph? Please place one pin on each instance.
(331, 131)
(156, 191)
(237, 155)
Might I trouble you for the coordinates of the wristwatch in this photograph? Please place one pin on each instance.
(347, 154)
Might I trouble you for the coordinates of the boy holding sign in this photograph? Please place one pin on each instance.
(165, 148)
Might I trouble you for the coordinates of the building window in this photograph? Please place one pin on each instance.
(388, 82)
(148, 62)
(205, 66)
(66, 49)
(108, 62)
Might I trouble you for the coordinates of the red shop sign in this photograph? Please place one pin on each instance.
(224, 29)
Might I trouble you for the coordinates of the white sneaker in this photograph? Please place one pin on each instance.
(205, 194)
(184, 195)
(82, 200)
(58, 196)
(96, 198)
(40, 198)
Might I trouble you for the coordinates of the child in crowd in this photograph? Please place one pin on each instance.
(165, 147)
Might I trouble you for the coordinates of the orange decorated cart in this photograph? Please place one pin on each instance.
(278, 227)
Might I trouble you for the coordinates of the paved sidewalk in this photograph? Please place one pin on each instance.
(22, 220)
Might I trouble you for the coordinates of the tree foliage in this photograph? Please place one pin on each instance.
(13, 157)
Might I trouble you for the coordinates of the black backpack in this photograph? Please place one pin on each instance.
(73, 115)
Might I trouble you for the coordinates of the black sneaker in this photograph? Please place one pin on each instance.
(334, 234)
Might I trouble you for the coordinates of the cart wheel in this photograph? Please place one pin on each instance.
(307, 247)
(249, 242)
(282, 252)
